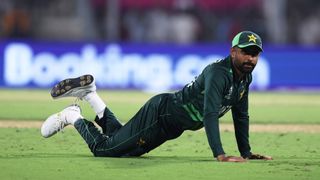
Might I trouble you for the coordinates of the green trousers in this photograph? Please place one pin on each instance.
(157, 121)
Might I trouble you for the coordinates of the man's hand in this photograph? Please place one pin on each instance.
(224, 158)
(259, 157)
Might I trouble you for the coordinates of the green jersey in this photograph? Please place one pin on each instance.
(213, 93)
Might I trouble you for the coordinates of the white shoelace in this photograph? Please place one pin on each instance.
(60, 124)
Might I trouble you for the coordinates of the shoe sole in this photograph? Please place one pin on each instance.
(66, 86)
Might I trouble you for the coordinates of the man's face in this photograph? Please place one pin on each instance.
(245, 59)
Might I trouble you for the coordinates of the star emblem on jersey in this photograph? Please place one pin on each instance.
(252, 38)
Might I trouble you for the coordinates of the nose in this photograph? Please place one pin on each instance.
(249, 59)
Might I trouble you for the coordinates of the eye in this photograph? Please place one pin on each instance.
(250, 51)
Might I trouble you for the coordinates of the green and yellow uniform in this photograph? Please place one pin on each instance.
(211, 95)
(166, 116)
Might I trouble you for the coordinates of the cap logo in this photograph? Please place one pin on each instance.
(252, 38)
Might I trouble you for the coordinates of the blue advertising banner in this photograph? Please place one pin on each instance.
(146, 67)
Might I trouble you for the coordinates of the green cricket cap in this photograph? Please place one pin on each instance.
(247, 38)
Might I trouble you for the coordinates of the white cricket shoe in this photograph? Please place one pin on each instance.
(58, 121)
(74, 87)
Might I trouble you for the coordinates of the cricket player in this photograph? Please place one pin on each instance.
(221, 86)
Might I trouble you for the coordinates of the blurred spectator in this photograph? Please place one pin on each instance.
(133, 26)
(162, 21)
(303, 22)
(309, 31)
(99, 13)
(16, 23)
(157, 25)
(183, 28)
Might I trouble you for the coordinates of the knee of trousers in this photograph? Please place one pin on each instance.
(111, 153)
(104, 149)
(98, 152)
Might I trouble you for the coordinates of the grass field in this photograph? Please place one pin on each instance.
(283, 107)
(24, 154)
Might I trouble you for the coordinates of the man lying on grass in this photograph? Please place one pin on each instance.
(221, 86)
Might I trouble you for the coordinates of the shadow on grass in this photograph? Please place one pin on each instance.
(154, 161)
(172, 158)
(151, 157)
(111, 162)
(149, 161)
(141, 158)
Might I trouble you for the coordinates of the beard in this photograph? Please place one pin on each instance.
(247, 67)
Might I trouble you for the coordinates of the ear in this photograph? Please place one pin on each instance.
(233, 52)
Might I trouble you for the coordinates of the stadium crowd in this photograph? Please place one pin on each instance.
(161, 21)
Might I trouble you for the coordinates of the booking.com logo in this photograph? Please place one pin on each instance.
(111, 68)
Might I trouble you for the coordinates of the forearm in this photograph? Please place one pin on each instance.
(242, 136)
(211, 125)
(240, 117)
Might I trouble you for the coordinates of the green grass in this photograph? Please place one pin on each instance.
(38, 104)
(25, 155)
(274, 107)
